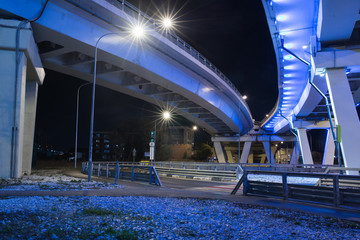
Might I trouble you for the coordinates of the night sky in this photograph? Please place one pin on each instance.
(232, 34)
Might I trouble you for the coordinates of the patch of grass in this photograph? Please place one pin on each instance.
(44, 186)
(54, 209)
(140, 218)
(111, 233)
(75, 181)
(97, 211)
(59, 233)
(126, 235)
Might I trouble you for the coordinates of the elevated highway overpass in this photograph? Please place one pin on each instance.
(61, 35)
(317, 47)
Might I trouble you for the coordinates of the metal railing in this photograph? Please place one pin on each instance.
(209, 171)
(336, 194)
(337, 169)
(156, 26)
(342, 182)
(124, 170)
(285, 167)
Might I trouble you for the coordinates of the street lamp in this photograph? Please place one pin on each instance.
(165, 116)
(136, 32)
(167, 23)
(77, 119)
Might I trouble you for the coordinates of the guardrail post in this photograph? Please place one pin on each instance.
(116, 171)
(107, 170)
(133, 174)
(99, 169)
(246, 185)
(285, 186)
(238, 172)
(336, 190)
(151, 176)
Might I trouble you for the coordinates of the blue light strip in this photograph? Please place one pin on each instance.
(294, 23)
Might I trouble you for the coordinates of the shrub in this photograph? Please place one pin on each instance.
(202, 151)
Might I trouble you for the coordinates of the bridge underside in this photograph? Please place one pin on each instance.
(157, 70)
(317, 49)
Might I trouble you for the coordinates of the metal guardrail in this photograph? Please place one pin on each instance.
(335, 169)
(135, 12)
(342, 182)
(211, 171)
(285, 167)
(336, 194)
(129, 171)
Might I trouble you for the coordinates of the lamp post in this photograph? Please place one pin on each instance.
(137, 33)
(165, 116)
(93, 105)
(77, 119)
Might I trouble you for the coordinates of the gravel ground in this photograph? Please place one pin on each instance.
(149, 217)
(44, 180)
(159, 218)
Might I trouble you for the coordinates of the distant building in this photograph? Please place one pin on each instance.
(180, 140)
(106, 147)
(176, 135)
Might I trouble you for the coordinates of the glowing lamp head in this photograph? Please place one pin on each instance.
(166, 115)
(167, 23)
(195, 128)
(138, 31)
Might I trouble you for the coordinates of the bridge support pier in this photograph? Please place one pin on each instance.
(219, 152)
(295, 154)
(304, 146)
(329, 151)
(345, 116)
(18, 96)
(269, 153)
(245, 153)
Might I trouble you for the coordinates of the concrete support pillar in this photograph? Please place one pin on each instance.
(12, 99)
(29, 124)
(329, 150)
(263, 158)
(245, 152)
(219, 152)
(251, 158)
(229, 156)
(269, 153)
(18, 96)
(304, 146)
(345, 116)
(295, 154)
